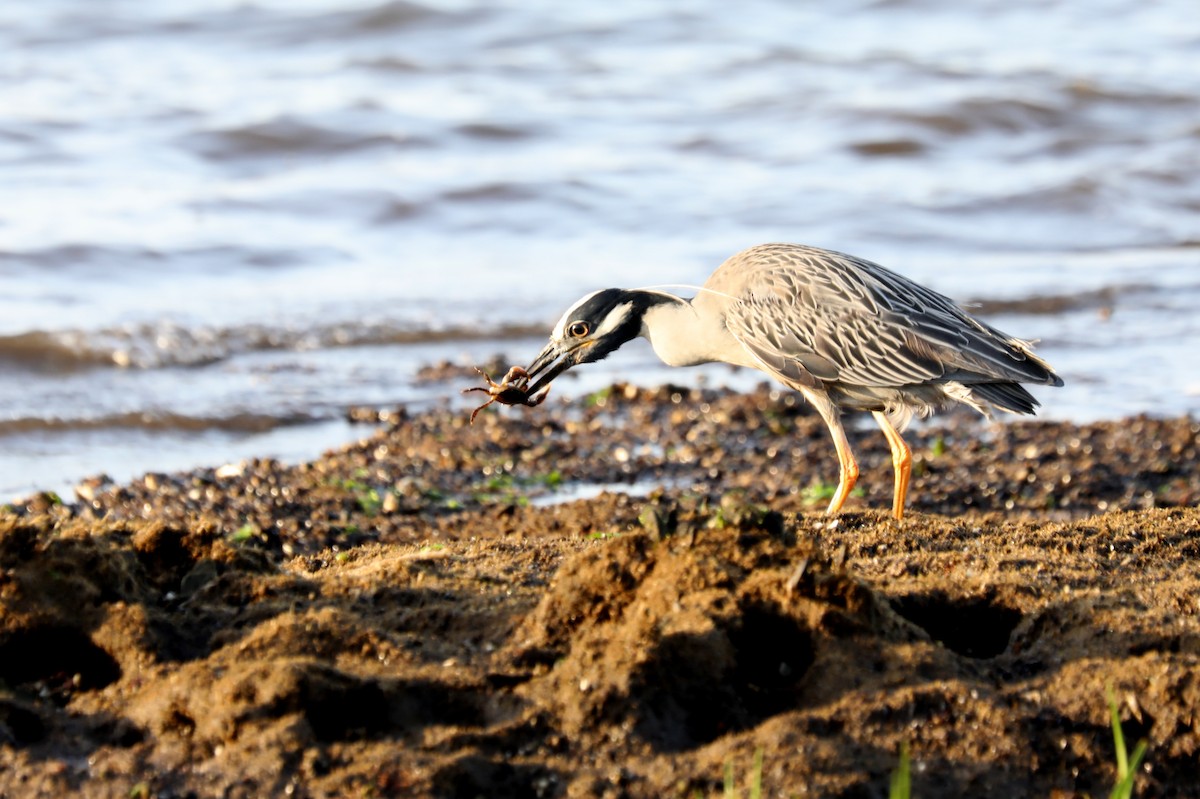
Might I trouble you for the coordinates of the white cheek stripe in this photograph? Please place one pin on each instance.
(615, 318)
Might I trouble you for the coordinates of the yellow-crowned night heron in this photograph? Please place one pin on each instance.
(844, 332)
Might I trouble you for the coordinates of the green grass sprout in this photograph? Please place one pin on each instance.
(756, 792)
(901, 785)
(1127, 766)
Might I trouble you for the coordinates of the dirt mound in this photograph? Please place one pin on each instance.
(680, 641)
(148, 660)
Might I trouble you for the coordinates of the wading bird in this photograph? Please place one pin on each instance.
(846, 333)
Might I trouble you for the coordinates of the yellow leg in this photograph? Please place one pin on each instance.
(847, 466)
(847, 474)
(901, 463)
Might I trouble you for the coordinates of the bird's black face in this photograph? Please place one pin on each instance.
(590, 330)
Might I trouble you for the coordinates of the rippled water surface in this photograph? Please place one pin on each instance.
(222, 223)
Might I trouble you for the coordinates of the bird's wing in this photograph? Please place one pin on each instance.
(813, 315)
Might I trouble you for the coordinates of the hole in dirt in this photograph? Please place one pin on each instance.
(773, 654)
(338, 707)
(118, 732)
(974, 628)
(473, 776)
(19, 723)
(56, 654)
(423, 703)
(163, 554)
(697, 687)
(180, 723)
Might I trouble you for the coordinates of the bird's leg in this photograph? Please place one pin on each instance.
(848, 470)
(901, 462)
(847, 466)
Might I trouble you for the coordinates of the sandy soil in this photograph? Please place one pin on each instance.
(454, 611)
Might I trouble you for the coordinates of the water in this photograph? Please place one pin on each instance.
(222, 223)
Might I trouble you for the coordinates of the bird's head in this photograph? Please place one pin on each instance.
(592, 329)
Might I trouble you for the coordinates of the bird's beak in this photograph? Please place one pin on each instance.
(550, 363)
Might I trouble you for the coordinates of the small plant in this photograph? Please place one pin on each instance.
(511, 489)
(756, 792)
(369, 501)
(499, 483)
(598, 398)
(1127, 766)
(819, 491)
(602, 536)
(901, 785)
(440, 498)
(244, 533)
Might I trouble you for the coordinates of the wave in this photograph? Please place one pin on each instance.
(382, 18)
(1055, 304)
(156, 421)
(166, 345)
(285, 137)
(102, 261)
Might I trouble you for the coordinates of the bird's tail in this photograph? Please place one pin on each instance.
(1007, 396)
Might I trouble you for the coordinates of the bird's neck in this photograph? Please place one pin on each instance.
(681, 336)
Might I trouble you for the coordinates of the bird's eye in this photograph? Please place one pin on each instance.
(578, 329)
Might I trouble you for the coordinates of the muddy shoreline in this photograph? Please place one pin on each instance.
(452, 610)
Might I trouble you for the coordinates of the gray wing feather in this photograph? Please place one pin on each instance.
(817, 316)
